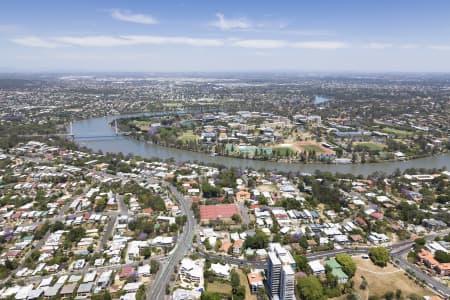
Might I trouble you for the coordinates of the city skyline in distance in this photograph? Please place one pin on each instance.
(204, 36)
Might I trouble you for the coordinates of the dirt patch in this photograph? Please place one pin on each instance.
(219, 287)
(381, 280)
(266, 188)
(307, 146)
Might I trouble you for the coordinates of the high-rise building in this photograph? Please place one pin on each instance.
(280, 273)
(273, 274)
(287, 283)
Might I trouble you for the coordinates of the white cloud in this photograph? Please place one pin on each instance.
(136, 40)
(114, 41)
(275, 44)
(440, 47)
(178, 40)
(127, 16)
(260, 44)
(230, 24)
(378, 46)
(32, 41)
(94, 41)
(322, 45)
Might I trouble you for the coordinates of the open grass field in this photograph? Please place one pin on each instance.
(307, 146)
(244, 282)
(219, 287)
(397, 132)
(188, 136)
(381, 280)
(371, 146)
(284, 150)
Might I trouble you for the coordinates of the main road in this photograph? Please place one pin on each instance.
(398, 252)
(157, 289)
(401, 261)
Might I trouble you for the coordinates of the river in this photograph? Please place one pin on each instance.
(115, 144)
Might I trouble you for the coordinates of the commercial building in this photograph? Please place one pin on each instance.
(280, 273)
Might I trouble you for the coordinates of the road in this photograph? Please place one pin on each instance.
(398, 252)
(244, 212)
(107, 234)
(399, 258)
(157, 289)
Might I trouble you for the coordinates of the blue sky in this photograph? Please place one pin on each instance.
(333, 35)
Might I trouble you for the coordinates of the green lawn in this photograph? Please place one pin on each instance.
(283, 150)
(397, 132)
(188, 136)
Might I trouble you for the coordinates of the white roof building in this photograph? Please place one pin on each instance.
(192, 270)
(221, 270)
(316, 267)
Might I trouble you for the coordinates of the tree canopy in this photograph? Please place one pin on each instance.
(310, 288)
(347, 263)
(379, 256)
(257, 241)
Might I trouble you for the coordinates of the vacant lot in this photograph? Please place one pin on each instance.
(381, 280)
(244, 282)
(219, 287)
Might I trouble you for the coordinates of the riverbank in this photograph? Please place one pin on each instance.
(100, 126)
(275, 138)
(282, 160)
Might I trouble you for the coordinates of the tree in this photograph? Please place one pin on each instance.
(389, 295)
(146, 252)
(154, 266)
(236, 218)
(442, 257)
(210, 191)
(301, 262)
(103, 296)
(76, 234)
(41, 231)
(310, 288)
(207, 244)
(258, 241)
(58, 225)
(303, 242)
(347, 263)
(140, 294)
(235, 280)
(379, 256)
(398, 294)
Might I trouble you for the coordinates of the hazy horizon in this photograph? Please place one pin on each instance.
(204, 36)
